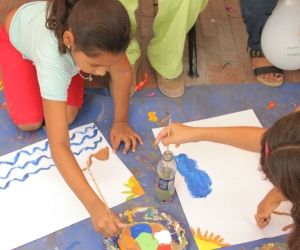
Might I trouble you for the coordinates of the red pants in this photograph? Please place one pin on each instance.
(21, 87)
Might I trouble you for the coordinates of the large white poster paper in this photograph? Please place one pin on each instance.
(36, 201)
(237, 187)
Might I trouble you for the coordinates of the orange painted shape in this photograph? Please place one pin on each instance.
(121, 244)
(271, 105)
(130, 242)
(137, 189)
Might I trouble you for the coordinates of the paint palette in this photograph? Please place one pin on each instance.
(149, 229)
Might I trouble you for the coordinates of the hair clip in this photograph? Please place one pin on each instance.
(267, 149)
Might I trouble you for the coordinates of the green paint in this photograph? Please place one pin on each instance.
(146, 241)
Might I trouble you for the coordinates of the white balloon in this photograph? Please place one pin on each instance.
(280, 39)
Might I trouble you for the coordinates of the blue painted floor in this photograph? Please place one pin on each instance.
(199, 102)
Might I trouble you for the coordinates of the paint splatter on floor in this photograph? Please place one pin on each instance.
(152, 116)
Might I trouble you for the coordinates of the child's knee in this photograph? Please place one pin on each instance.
(72, 112)
(29, 127)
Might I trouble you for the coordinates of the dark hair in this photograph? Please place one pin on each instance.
(97, 25)
(282, 166)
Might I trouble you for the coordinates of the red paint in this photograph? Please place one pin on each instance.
(142, 84)
(164, 247)
(271, 105)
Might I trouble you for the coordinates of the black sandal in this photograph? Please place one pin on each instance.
(265, 70)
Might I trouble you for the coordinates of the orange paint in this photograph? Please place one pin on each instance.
(208, 241)
(101, 155)
(121, 244)
(271, 105)
(130, 242)
(142, 84)
(137, 189)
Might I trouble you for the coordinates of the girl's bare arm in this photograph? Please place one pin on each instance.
(57, 130)
(247, 138)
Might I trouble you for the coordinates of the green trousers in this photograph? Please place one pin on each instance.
(171, 24)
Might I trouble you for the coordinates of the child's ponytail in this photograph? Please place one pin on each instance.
(280, 162)
(97, 25)
(294, 237)
(57, 17)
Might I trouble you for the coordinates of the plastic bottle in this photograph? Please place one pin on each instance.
(166, 170)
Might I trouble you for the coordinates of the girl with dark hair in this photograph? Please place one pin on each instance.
(43, 48)
(279, 147)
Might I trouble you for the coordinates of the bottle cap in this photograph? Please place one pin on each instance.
(168, 155)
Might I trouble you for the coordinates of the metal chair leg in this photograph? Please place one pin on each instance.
(192, 43)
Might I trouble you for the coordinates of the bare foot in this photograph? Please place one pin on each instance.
(262, 62)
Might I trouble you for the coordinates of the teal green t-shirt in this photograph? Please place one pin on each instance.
(29, 35)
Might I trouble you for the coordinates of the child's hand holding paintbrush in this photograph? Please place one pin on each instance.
(104, 221)
(177, 135)
(108, 223)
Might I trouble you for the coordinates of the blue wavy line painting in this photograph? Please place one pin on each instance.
(33, 192)
(19, 165)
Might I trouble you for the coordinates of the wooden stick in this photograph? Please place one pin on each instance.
(169, 130)
(97, 187)
(100, 193)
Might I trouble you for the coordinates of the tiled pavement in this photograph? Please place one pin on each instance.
(221, 45)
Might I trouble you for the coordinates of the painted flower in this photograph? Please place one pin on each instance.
(135, 188)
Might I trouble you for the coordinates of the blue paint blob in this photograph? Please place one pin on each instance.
(136, 230)
(198, 181)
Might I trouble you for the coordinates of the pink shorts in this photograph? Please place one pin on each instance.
(21, 87)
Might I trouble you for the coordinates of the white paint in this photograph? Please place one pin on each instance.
(163, 237)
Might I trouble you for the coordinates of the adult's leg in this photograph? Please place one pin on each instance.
(255, 14)
(21, 88)
(172, 22)
(133, 51)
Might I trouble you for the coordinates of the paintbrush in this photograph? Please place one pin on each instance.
(100, 193)
(169, 130)
(97, 187)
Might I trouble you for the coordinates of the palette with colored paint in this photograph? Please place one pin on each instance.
(149, 229)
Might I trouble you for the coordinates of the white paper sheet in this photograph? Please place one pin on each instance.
(37, 204)
(237, 187)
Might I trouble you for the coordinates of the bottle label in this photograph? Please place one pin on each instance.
(165, 184)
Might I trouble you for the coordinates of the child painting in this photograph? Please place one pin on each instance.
(279, 148)
(45, 48)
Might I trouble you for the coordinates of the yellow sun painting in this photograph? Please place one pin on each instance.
(208, 242)
(135, 188)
